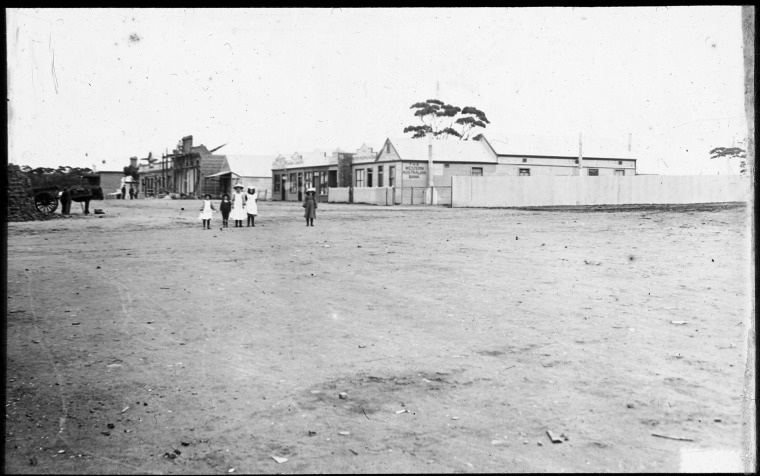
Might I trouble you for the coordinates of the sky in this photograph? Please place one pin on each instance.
(93, 87)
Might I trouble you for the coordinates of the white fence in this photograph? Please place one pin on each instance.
(338, 195)
(374, 195)
(538, 191)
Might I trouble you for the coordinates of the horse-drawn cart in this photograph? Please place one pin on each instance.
(46, 199)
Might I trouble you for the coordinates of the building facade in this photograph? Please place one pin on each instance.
(319, 169)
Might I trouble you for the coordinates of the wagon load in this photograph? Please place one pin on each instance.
(20, 200)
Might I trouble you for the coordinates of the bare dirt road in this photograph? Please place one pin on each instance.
(139, 343)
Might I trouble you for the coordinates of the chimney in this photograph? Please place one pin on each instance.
(133, 161)
(187, 143)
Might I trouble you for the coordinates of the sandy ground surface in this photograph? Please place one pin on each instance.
(139, 343)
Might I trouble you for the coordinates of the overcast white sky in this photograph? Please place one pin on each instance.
(93, 85)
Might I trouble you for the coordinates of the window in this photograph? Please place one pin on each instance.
(620, 162)
(477, 172)
(525, 160)
(276, 182)
(576, 161)
(359, 178)
(379, 175)
(293, 183)
(524, 172)
(619, 172)
(324, 183)
(388, 148)
(446, 166)
(391, 175)
(369, 177)
(593, 172)
(308, 179)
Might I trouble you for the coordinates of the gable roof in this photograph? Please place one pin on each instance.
(560, 146)
(248, 165)
(443, 150)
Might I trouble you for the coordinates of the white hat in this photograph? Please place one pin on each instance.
(238, 185)
(311, 189)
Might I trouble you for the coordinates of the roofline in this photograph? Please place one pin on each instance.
(562, 157)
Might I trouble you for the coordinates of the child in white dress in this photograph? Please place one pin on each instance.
(238, 206)
(251, 207)
(206, 211)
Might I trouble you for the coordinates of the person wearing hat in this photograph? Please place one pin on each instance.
(251, 207)
(238, 205)
(310, 206)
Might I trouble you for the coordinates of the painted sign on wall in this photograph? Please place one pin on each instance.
(414, 170)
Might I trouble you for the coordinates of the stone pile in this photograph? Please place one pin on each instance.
(20, 203)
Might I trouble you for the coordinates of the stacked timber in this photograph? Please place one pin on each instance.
(20, 202)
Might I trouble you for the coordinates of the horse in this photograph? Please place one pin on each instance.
(85, 195)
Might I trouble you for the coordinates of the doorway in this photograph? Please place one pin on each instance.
(282, 187)
(300, 187)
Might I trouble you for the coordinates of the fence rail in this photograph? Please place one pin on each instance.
(388, 195)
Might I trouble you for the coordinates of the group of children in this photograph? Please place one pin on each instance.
(243, 206)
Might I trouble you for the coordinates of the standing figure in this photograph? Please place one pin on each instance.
(123, 192)
(225, 208)
(310, 206)
(131, 193)
(136, 192)
(206, 211)
(238, 206)
(251, 207)
(66, 201)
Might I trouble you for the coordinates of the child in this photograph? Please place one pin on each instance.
(225, 208)
(251, 207)
(206, 210)
(310, 205)
(238, 205)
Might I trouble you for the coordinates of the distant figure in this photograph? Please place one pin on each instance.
(225, 208)
(136, 192)
(131, 193)
(123, 192)
(66, 201)
(310, 206)
(251, 207)
(206, 211)
(238, 206)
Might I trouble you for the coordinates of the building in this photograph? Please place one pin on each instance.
(551, 155)
(318, 169)
(194, 169)
(156, 176)
(249, 170)
(403, 165)
(111, 181)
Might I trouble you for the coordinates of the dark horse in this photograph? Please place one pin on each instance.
(85, 195)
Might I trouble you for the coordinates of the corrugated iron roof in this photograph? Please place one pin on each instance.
(561, 146)
(249, 165)
(444, 150)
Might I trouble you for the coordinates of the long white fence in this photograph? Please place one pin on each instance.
(338, 195)
(503, 191)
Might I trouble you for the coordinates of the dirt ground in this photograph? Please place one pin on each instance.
(139, 343)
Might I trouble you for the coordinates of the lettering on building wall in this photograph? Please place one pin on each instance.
(413, 170)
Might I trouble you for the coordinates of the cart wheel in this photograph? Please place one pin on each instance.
(45, 202)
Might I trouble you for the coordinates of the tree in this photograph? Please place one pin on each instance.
(731, 153)
(132, 171)
(440, 120)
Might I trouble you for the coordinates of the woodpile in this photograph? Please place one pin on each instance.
(20, 202)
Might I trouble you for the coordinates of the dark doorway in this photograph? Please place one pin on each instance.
(369, 177)
(282, 187)
(332, 179)
(300, 187)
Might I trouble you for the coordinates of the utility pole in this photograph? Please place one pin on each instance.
(580, 153)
